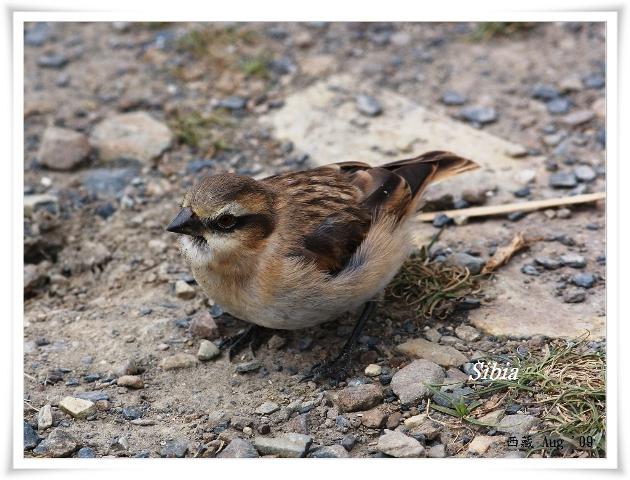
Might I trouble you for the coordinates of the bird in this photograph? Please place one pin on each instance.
(294, 250)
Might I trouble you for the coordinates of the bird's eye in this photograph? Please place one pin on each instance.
(226, 221)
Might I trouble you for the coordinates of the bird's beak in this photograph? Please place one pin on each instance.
(186, 222)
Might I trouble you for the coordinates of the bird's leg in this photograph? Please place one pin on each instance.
(251, 337)
(338, 368)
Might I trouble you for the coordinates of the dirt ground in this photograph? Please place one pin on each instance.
(100, 270)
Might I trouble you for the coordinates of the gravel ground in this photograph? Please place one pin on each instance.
(121, 346)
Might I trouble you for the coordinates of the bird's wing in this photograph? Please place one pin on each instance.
(329, 210)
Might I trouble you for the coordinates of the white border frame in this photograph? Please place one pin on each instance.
(374, 465)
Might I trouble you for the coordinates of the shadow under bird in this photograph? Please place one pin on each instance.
(298, 249)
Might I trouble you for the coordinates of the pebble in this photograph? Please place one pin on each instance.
(594, 80)
(77, 407)
(464, 260)
(368, 105)
(585, 173)
(132, 413)
(289, 445)
(409, 383)
(516, 151)
(203, 325)
(436, 451)
(233, 103)
(53, 60)
(442, 220)
(93, 396)
(276, 342)
(332, 451)
(479, 115)
(529, 269)
(37, 34)
(33, 203)
(183, 290)
(178, 360)
(267, 408)
(548, 263)
(374, 418)
(247, 367)
(432, 335)
(397, 444)
(174, 449)
(373, 370)
(86, 452)
(238, 448)
(130, 136)
(481, 443)
(130, 381)
(573, 260)
(516, 216)
(467, 333)
(444, 355)
(207, 351)
(558, 106)
(563, 213)
(573, 295)
(562, 180)
(517, 424)
(348, 442)
(544, 92)
(400, 39)
(578, 117)
(44, 417)
(584, 280)
(31, 439)
(360, 397)
(62, 149)
(423, 425)
(451, 97)
(59, 443)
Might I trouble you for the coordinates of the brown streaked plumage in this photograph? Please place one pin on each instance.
(294, 250)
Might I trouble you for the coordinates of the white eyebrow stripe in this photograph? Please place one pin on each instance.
(233, 208)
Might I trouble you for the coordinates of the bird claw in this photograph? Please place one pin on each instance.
(334, 371)
(249, 338)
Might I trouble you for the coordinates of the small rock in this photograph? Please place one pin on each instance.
(563, 213)
(179, 360)
(578, 117)
(238, 448)
(207, 351)
(442, 220)
(573, 295)
(585, 173)
(267, 408)
(516, 151)
(289, 445)
(59, 443)
(86, 452)
(77, 407)
(131, 136)
(44, 417)
(584, 280)
(451, 97)
(368, 105)
(276, 342)
(174, 449)
(436, 451)
(422, 424)
(467, 333)
(374, 418)
(443, 355)
(562, 180)
(360, 397)
(62, 149)
(33, 203)
(132, 413)
(517, 424)
(479, 115)
(571, 83)
(548, 263)
(397, 444)
(130, 381)
(203, 325)
(183, 290)
(558, 106)
(594, 80)
(31, 439)
(373, 370)
(463, 260)
(53, 60)
(332, 451)
(544, 92)
(529, 269)
(481, 443)
(400, 39)
(348, 442)
(432, 335)
(410, 383)
(573, 260)
(248, 367)
(93, 396)
(233, 103)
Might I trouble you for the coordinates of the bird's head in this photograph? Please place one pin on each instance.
(223, 216)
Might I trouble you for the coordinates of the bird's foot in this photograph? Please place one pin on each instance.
(252, 337)
(333, 371)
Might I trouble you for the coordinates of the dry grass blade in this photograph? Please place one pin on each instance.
(503, 254)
